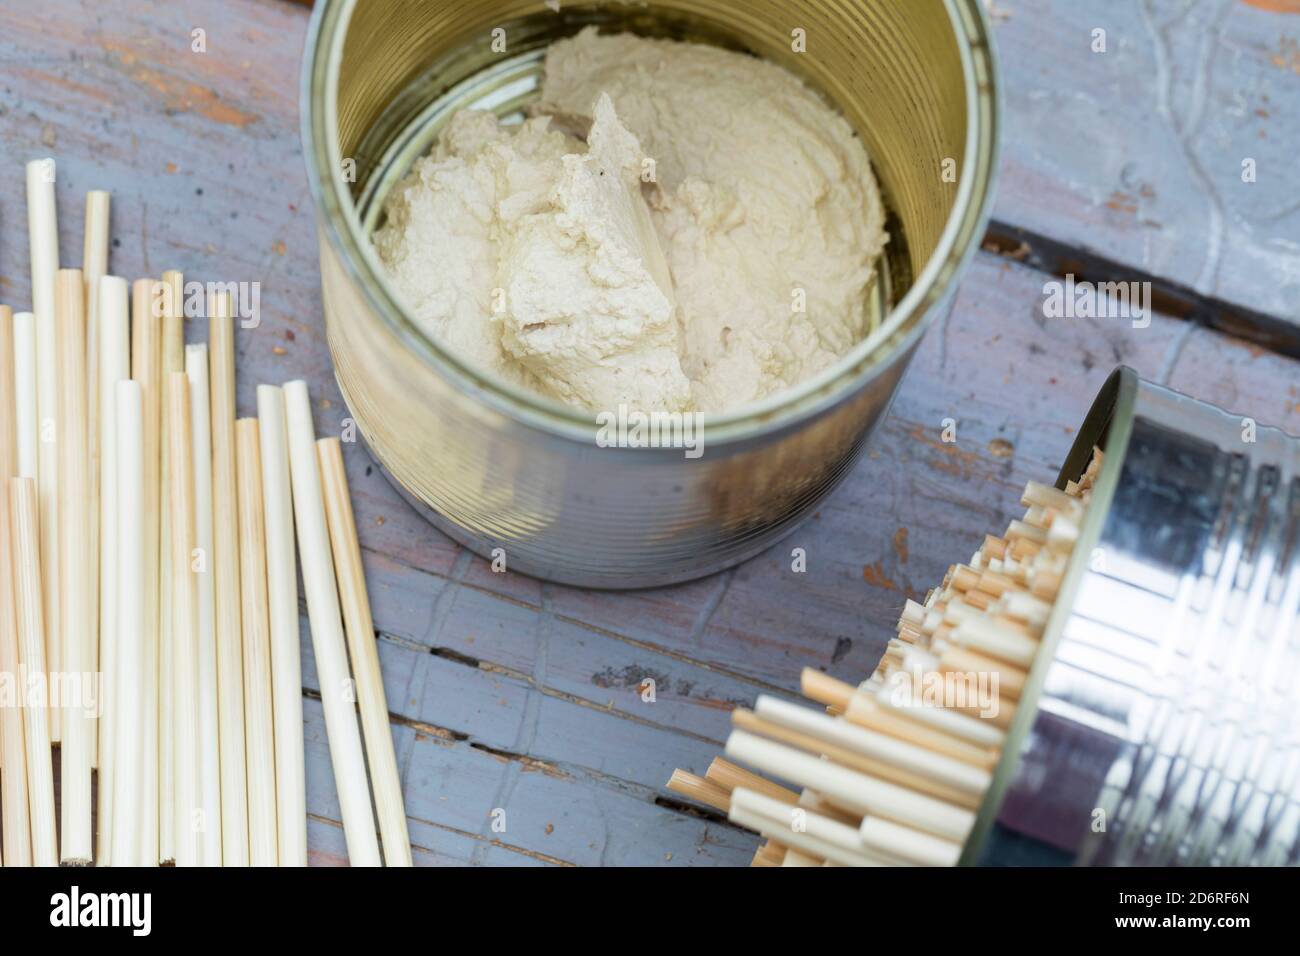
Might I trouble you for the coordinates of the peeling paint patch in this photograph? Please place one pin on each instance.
(900, 545)
(874, 574)
(180, 96)
(1274, 6)
(951, 459)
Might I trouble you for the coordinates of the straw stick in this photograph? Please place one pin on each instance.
(8, 400)
(979, 732)
(189, 814)
(146, 368)
(728, 776)
(765, 826)
(258, 720)
(833, 827)
(169, 315)
(209, 795)
(903, 843)
(327, 632)
(700, 790)
(230, 656)
(872, 766)
(986, 636)
(114, 366)
(77, 616)
(42, 233)
(47, 405)
(282, 594)
(902, 755)
(27, 427)
(94, 258)
(26, 457)
(797, 858)
(814, 801)
(384, 776)
(852, 790)
(812, 833)
(1011, 680)
(24, 534)
(94, 265)
(825, 689)
(14, 827)
(866, 711)
(128, 723)
(770, 854)
(43, 236)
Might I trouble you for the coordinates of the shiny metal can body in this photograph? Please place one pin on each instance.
(1160, 725)
(495, 467)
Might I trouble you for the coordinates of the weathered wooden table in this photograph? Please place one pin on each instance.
(511, 694)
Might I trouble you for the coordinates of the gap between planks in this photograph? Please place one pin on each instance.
(466, 660)
(1054, 258)
(522, 678)
(448, 736)
(447, 580)
(445, 736)
(418, 848)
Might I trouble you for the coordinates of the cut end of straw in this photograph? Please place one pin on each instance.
(895, 778)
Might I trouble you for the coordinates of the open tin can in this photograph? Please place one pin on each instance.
(1159, 724)
(496, 467)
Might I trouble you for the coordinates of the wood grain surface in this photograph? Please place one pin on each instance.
(507, 694)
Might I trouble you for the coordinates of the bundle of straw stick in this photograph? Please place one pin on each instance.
(148, 586)
(891, 772)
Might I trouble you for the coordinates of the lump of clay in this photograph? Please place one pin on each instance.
(712, 244)
(588, 304)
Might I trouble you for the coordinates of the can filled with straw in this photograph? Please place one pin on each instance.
(1163, 727)
(1109, 682)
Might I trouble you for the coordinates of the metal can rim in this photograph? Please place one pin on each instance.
(340, 227)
